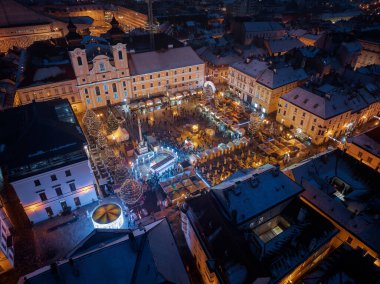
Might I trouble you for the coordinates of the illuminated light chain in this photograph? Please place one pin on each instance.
(130, 191)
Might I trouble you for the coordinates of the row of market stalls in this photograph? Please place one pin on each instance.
(158, 101)
(219, 150)
(225, 120)
(180, 186)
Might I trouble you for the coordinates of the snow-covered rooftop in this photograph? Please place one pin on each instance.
(369, 141)
(356, 208)
(251, 195)
(150, 257)
(270, 77)
(154, 61)
(325, 101)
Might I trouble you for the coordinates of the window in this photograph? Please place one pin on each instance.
(349, 240)
(88, 101)
(43, 196)
(125, 84)
(37, 182)
(101, 67)
(151, 85)
(158, 75)
(68, 173)
(72, 186)
(79, 59)
(151, 77)
(142, 78)
(86, 91)
(120, 55)
(294, 118)
(369, 160)
(73, 99)
(114, 88)
(142, 86)
(125, 94)
(58, 190)
(53, 177)
(77, 201)
(301, 122)
(49, 212)
(312, 128)
(97, 90)
(115, 96)
(99, 99)
(105, 87)
(27, 97)
(284, 112)
(360, 154)
(167, 73)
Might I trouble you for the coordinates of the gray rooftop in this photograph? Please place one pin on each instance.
(326, 101)
(155, 61)
(269, 76)
(369, 141)
(355, 207)
(252, 194)
(152, 258)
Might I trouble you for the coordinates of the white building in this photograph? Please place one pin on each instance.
(42, 148)
(6, 243)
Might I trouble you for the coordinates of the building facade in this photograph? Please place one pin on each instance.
(6, 243)
(108, 75)
(369, 54)
(326, 112)
(365, 147)
(50, 174)
(261, 85)
(47, 194)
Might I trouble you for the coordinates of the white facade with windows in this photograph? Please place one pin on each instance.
(47, 194)
(6, 243)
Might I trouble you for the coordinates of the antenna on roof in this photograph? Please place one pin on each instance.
(150, 23)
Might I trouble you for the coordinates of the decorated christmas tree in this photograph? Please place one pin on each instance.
(254, 123)
(112, 123)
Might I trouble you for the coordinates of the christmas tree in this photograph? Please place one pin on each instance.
(112, 123)
(254, 123)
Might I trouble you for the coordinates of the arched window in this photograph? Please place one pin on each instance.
(114, 89)
(120, 55)
(97, 90)
(79, 59)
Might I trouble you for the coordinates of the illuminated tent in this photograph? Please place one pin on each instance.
(119, 135)
(107, 216)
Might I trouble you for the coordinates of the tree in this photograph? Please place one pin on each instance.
(91, 122)
(254, 123)
(101, 140)
(112, 123)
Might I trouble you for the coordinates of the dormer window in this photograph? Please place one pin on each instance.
(101, 67)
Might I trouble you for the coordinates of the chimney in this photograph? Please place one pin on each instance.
(132, 241)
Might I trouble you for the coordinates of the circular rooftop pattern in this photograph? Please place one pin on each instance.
(108, 216)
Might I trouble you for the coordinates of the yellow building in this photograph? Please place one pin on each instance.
(369, 54)
(172, 70)
(261, 85)
(48, 74)
(20, 26)
(325, 112)
(106, 75)
(365, 147)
